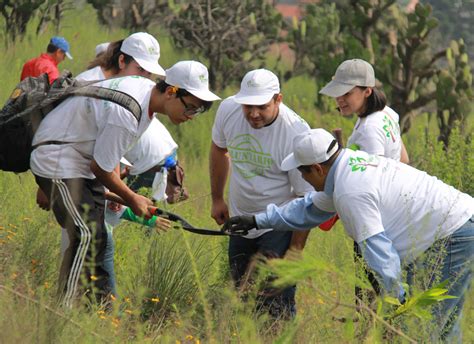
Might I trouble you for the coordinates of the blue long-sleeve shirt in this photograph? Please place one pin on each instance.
(302, 214)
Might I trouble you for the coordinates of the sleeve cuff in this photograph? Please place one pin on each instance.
(262, 221)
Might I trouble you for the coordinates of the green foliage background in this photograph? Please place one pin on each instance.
(174, 286)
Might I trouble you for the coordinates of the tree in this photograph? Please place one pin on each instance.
(52, 11)
(17, 14)
(405, 59)
(361, 18)
(133, 14)
(231, 34)
(456, 21)
(316, 41)
(454, 95)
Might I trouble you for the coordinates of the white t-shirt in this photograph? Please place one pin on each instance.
(374, 194)
(151, 149)
(378, 133)
(94, 129)
(256, 156)
(91, 74)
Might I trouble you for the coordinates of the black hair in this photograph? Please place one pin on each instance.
(161, 86)
(51, 48)
(328, 162)
(375, 102)
(110, 59)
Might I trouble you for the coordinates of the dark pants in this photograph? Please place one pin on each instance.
(78, 205)
(144, 180)
(361, 268)
(279, 303)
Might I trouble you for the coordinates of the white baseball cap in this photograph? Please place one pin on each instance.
(144, 49)
(193, 77)
(349, 74)
(258, 87)
(101, 48)
(311, 147)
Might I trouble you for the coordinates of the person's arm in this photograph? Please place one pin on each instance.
(298, 215)
(404, 154)
(42, 200)
(384, 260)
(218, 171)
(111, 180)
(298, 240)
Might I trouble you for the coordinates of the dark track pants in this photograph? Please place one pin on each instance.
(274, 244)
(78, 205)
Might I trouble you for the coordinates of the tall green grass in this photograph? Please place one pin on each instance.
(174, 287)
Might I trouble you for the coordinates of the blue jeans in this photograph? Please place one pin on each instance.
(456, 264)
(278, 303)
(108, 262)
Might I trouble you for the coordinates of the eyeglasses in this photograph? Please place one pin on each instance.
(191, 110)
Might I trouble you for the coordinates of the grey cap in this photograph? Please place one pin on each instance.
(350, 73)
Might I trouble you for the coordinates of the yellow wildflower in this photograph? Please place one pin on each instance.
(189, 337)
(116, 322)
(94, 278)
(321, 301)
(155, 299)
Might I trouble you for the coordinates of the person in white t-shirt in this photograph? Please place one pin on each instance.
(132, 56)
(129, 56)
(101, 48)
(377, 130)
(393, 211)
(77, 148)
(253, 131)
(138, 54)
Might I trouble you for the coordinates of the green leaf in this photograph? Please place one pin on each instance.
(392, 300)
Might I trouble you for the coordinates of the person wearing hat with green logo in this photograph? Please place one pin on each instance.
(76, 150)
(398, 215)
(56, 52)
(253, 131)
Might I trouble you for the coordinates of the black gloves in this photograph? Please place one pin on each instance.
(239, 225)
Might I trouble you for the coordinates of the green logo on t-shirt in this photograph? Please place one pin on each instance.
(358, 163)
(248, 157)
(389, 128)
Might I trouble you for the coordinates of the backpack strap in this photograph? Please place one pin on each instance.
(115, 96)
